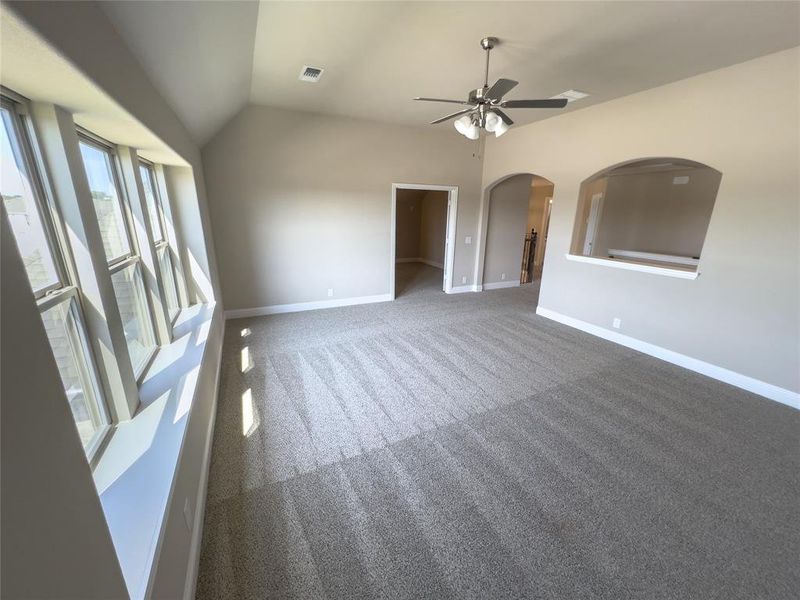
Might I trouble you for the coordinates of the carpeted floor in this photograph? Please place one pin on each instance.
(463, 447)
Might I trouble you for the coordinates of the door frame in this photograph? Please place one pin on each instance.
(593, 222)
(450, 231)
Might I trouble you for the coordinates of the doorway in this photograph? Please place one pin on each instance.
(422, 239)
(515, 219)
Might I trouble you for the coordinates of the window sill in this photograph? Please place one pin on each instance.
(135, 473)
(632, 266)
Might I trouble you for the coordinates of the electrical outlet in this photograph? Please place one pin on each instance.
(330, 292)
(468, 240)
(502, 276)
(187, 514)
(617, 323)
(464, 279)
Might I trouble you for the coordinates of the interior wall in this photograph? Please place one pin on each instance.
(42, 564)
(408, 223)
(505, 234)
(301, 203)
(741, 313)
(77, 30)
(56, 541)
(648, 213)
(433, 227)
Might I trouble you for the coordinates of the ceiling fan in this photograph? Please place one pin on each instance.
(486, 104)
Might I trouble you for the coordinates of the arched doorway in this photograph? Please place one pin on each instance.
(514, 223)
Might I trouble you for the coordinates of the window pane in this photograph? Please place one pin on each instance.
(129, 290)
(23, 211)
(152, 205)
(70, 353)
(168, 276)
(106, 201)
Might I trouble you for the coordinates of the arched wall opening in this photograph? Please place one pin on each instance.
(649, 211)
(515, 217)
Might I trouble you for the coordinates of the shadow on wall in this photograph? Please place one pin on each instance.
(516, 214)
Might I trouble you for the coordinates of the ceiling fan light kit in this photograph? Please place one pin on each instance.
(486, 104)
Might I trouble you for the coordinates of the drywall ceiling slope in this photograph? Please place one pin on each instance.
(198, 54)
(378, 55)
(29, 66)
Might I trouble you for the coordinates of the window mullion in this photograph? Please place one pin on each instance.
(154, 285)
(173, 237)
(61, 151)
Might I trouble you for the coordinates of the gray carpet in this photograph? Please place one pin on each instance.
(462, 447)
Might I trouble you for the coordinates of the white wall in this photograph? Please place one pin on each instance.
(742, 311)
(301, 203)
(55, 540)
(505, 237)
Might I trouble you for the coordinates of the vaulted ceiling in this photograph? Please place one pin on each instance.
(211, 58)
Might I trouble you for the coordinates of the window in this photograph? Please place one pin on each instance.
(123, 261)
(33, 224)
(107, 202)
(652, 212)
(155, 210)
(153, 205)
(129, 290)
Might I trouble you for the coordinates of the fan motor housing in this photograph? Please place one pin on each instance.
(476, 96)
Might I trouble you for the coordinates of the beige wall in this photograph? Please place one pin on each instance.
(505, 234)
(433, 227)
(301, 203)
(741, 313)
(646, 212)
(408, 223)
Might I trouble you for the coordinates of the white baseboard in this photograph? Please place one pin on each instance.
(461, 289)
(275, 309)
(497, 285)
(745, 382)
(431, 263)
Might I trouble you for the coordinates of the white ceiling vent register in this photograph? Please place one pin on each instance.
(311, 74)
(572, 95)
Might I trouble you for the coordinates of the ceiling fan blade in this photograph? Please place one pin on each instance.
(506, 119)
(455, 114)
(547, 103)
(442, 100)
(500, 88)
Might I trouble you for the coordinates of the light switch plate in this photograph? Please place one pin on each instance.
(468, 240)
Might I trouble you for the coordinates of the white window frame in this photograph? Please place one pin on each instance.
(133, 257)
(65, 289)
(163, 244)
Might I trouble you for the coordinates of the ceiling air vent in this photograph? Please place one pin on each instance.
(311, 74)
(571, 95)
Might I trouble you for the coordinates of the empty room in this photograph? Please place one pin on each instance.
(408, 300)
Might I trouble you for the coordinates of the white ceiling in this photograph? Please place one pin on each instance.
(209, 58)
(30, 67)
